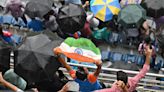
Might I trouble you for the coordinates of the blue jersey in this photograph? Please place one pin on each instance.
(86, 86)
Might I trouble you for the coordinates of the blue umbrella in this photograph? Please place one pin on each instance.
(105, 9)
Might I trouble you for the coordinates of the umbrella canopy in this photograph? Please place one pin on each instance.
(34, 59)
(71, 18)
(3, 3)
(105, 9)
(132, 16)
(74, 1)
(4, 58)
(5, 50)
(154, 8)
(126, 2)
(159, 22)
(38, 8)
(160, 36)
(81, 49)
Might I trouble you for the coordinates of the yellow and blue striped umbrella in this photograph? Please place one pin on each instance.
(105, 9)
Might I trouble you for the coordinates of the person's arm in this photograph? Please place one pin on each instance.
(65, 88)
(98, 70)
(9, 85)
(86, 4)
(146, 67)
(61, 59)
(93, 77)
(64, 63)
(140, 48)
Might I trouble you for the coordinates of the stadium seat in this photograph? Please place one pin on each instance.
(159, 63)
(140, 60)
(129, 57)
(104, 55)
(116, 56)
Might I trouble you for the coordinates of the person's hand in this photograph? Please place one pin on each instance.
(120, 84)
(87, 3)
(65, 88)
(56, 51)
(145, 25)
(98, 62)
(1, 78)
(35, 90)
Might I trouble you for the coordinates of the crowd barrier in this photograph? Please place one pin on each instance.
(147, 84)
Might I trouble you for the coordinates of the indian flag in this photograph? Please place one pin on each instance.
(82, 50)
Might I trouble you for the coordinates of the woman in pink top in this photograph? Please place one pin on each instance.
(125, 84)
(15, 7)
(141, 48)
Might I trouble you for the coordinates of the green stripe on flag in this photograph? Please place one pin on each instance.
(82, 43)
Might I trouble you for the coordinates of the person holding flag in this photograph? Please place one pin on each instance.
(87, 82)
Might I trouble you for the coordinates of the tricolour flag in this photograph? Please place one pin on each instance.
(82, 50)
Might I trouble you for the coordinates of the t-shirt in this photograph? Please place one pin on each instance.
(88, 85)
(142, 47)
(86, 31)
(36, 25)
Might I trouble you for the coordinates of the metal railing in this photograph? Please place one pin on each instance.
(108, 79)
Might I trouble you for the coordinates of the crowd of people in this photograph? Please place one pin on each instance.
(88, 82)
(94, 29)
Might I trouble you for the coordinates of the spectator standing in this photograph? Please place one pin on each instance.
(87, 82)
(125, 84)
(142, 47)
(16, 8)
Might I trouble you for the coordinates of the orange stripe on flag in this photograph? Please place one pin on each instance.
(75, 56)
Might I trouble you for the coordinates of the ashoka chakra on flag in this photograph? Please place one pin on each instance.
(82, 50)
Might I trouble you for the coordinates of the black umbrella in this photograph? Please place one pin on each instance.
(71, 18)
(154, 8)
(160, 36)
(4, 59)
(34, 59)
(38, 8)
(5, 50)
